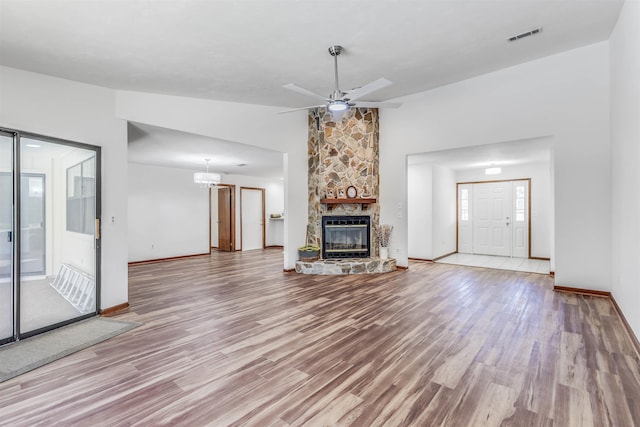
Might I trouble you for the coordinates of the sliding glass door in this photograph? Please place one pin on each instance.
(49, 239)
(6, 238)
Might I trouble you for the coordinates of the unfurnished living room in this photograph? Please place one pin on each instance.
(307, 213)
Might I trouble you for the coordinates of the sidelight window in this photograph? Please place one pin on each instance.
(520, 203)
(464, 204)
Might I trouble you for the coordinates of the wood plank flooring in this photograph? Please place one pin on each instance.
(232, 340)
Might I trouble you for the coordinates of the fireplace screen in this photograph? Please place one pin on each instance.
(346, 236)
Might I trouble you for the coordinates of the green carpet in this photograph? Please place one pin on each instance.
(31, 353)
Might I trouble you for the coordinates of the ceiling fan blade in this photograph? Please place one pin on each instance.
(377, 104)
(300, 109)
(304, 91)
(367, 89)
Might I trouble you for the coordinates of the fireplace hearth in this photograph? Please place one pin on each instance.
(346, 237)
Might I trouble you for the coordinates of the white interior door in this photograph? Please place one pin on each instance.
(213, 216)
(491, 218)
(252, 212)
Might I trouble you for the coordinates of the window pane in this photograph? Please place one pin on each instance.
(81, 184)
(57, 281)
(520, 203)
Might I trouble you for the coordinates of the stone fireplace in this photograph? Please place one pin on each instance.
(344, 155)
(343, 152)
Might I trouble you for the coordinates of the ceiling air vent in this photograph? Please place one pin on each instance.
(525, 34)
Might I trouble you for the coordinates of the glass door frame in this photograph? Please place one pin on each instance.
(12, 281)
(16, 171)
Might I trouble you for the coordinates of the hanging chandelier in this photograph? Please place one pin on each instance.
(206, 179)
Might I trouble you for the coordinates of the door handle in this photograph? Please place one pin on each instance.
(9, 236)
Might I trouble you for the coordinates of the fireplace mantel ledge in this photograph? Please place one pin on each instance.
(365, 202)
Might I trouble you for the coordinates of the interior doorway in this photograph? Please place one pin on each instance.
(222, 214)
(493, 218)
(252, 214)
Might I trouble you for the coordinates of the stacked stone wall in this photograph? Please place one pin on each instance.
(343, 152)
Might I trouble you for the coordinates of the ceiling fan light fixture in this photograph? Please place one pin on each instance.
(336, 106)
(339, 101)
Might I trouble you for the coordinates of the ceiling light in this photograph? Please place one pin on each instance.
(33, 145)
(337, 105)
(206, 179)
(493, 171)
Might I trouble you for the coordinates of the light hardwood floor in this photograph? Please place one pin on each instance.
(232, 340)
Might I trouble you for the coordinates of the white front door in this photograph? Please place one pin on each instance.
(252, 213)
(492, 210)
(493, 218)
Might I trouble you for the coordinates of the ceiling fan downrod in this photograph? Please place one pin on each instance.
(335, 51)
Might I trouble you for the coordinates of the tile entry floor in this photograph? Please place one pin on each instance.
(498, 262)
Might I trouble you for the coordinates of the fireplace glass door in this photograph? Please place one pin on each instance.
(346, 236)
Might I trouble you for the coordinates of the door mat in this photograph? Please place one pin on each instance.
(31, 353)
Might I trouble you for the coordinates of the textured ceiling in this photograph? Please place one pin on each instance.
(167, 147)
(245, 51)
(511, 153)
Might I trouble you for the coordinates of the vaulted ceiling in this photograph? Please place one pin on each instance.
(245, 51)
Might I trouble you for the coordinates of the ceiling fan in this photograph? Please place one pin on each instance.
(338, 100)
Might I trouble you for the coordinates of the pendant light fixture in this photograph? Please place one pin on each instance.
(206, 179)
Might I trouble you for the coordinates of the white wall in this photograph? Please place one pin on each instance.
(420, 211)
(565, 96)
(82, 113)
(168, 213)
(541, 213)
(248, 124)
(444, 211)
(625, 149)
(431, 207)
